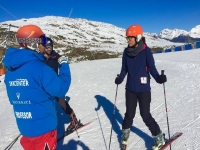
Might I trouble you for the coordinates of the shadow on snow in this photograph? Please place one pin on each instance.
(62, 120)
(108, 108)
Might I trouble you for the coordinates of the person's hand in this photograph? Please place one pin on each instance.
(162, 79)
(62, 60)
(118, 80)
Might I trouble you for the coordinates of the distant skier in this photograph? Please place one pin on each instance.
(137, 63)
(32, 87)
(51, 59)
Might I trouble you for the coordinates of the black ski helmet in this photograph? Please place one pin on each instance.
(49, 42)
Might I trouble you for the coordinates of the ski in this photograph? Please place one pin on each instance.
(66, 134)
(171, 140)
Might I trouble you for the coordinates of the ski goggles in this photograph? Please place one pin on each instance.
(42, 40)
(128, 38)
(49, 47)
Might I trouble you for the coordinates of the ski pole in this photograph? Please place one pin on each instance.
(162, 73)
(113, 115)
(12, 143)
(101, 130)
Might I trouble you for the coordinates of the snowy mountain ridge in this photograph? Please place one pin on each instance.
(171, 34)
(83, 33)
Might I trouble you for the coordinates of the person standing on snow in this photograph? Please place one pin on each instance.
(137, 63)
(51, 59)
(32, 87)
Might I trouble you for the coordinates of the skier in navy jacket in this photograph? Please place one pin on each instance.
(137, 63)
(51, 59)
(32, 87)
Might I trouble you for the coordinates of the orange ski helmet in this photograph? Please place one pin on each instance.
(29, 35)
(29, 31)
(135, 31)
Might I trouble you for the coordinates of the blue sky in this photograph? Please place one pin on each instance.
(152, 15)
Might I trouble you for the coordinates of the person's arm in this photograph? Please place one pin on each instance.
(151, 64)
(124, 67)
(56, 85)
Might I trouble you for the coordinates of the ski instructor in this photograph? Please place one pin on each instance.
(137, 63)
(51, 59)
(32, 87)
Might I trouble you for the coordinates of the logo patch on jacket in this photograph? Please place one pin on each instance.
(19, 82)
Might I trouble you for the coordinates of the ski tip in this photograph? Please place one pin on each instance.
(179, 133)
(171, 140)
(92, 120)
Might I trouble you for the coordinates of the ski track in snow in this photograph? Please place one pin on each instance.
(92, 95)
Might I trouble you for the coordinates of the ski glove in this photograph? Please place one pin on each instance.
(62, 59)
(162, 79)
(118, 80)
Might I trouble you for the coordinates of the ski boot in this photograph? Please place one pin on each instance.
(75, 124)
(125, 136)
(159, 141)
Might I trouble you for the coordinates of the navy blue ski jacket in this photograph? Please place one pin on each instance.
(52, 61)
(138, 67)
(31, 88)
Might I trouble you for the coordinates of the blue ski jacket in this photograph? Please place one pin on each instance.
(31, 87)
(137, 70)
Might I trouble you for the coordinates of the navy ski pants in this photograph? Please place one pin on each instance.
(144, 100)
(65, 105)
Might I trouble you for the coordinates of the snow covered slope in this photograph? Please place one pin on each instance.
(92, 95)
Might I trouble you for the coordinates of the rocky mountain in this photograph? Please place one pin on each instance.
(182, 36)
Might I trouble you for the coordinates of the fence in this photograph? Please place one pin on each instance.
(188, 46)
(197, 44)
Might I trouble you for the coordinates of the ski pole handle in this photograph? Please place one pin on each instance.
(117, 75)
(162, 72)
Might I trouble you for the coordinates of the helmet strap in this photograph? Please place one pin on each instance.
(136, 43)
(138, 38)
(33, 46)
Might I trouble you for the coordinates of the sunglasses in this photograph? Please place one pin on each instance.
(128, 38)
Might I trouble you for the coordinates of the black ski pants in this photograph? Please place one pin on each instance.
(144, 100)
(65, 105)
